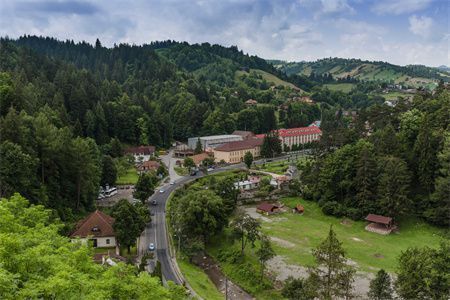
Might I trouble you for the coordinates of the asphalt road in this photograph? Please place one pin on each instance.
(156, 231)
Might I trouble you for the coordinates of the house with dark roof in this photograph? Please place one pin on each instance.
(148, 166)
(233, 152)
(267, 208)
(141, 153)
(97, 228)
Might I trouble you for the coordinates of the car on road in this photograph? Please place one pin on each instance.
(172, 182)
(151, 247)
(161, 191)
(153, 202)
(210, 169)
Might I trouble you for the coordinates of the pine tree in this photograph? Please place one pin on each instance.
(393, 188)
(332, 275)
(381, 287)
(198, 147)
(438, 211)
(365, 180)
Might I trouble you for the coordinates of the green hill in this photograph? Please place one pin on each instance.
(356, 69)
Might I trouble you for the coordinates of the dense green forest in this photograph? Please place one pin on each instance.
(387, 160)
(66, 108)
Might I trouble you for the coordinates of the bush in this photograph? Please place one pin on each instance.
(230, 256)
(332, 208)
(354, 214)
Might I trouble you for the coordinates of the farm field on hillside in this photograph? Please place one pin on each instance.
(299, 234)
(268, 77)
(344, 87)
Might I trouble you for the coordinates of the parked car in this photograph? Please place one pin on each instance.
(151, 247)
(210, 169)
(161, 191)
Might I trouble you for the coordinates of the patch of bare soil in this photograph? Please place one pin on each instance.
(357, 240)
(283, 270)
(346, 222)
(251, 211)
(378, 255)
(282, 243)
(211, 268)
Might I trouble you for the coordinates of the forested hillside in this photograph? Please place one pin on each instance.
(64, 106)
(413, 76)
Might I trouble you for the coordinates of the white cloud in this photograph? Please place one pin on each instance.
(398, 7)
(421, 26)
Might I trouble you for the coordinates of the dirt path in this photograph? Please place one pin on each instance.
(211, 268)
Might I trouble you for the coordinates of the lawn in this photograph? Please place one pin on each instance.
(277, 167)
(343, 87)
(199, 281)
(129, 177)
(370, 251)
(181, 171)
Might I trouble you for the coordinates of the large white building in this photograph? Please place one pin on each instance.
(213, 141)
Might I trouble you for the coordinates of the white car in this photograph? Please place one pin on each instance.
(161, 191)
(172, 182)
(151, 247)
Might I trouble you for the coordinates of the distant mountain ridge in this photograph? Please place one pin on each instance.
(363, 70)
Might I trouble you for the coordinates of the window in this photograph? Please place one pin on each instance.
(108, 242)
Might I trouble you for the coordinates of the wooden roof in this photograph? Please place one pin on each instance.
(266, 207)
(378, 219)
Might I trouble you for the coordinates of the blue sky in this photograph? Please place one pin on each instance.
(398, 31)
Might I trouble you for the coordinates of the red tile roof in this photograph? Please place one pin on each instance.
(198, 158)
(96, 224)
(145, 150)
(294, 132)
(378, 219)
(266, 207)
(149, 165)
(240, 145)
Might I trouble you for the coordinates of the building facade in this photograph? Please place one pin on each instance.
(234, 152)
(297, 136)
(141, 153)
(98, 229)
(213, 141)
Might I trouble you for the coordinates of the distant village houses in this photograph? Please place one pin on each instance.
(141, 153)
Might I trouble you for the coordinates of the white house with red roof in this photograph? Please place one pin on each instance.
(98, 228)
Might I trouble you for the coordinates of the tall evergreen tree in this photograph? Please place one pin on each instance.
(332, 275)
(381, 287)
(366, 180)
(438, 210)
(393, 188)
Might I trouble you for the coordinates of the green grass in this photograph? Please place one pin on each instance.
(181, 171)
(130, 177)
(343, 87)
(268, 77)
(246, 271)
(394, 95)
(278, 167)
(369, 250)
(124, 252)
(199, 281)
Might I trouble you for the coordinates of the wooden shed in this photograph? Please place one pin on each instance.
(380, 224)
(267, 208)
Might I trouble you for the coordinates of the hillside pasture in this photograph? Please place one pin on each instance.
(369, 251)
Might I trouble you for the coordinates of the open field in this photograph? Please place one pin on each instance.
(301, 233)
(279, 167)
(129, 177)
(343, 87)
(268, 77)
(199, 281)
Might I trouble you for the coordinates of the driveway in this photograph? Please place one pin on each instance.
(169, 161)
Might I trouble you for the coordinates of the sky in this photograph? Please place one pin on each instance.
(398, 31)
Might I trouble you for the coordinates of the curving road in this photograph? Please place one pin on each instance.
(156, 231)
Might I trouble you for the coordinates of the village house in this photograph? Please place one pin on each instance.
(97, 228)
(251, 183)
(267, 208)
(141, 153)
(199, 158)
(234, 152)
(183, 150)
(148, 166)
